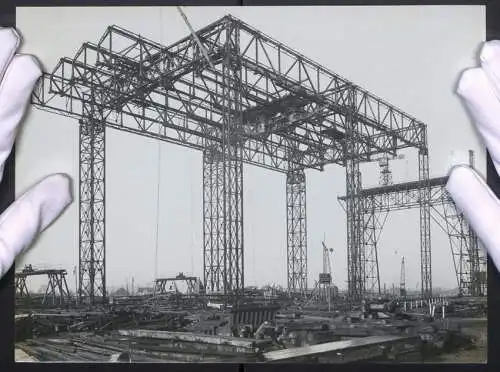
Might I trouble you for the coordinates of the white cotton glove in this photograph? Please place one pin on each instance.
(480, 90)
(22, 222)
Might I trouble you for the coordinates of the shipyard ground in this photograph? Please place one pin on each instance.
(262, 329)
(478, 353)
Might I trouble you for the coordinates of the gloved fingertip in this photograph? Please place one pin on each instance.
(479, 205)
(10, 38)
(466, 187)
(490, 51)
(30, 214)
(54, 194)
(458, 173)
(30, 65)
(468, 81)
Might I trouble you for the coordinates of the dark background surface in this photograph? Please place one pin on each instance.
(7, 19)
(7, 193)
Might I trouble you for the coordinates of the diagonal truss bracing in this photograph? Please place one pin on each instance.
(296, 231)
(355, 271)
(374, 222)
(425, 224)
(468, 258)
(170, 93)
(223, 188)
(261, 99)
(57, 291)
(92, 279)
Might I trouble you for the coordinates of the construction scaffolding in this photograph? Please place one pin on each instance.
(261, 103)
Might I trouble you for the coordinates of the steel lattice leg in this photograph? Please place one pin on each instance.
(234, 223)
(354, 231)
(22, 288)
(296, 231)
(222, 223)
(223, 185)
(455, 228)
(477, 276)
(465, 249)
(483, 269)
(373, 224)
(57, 289)
(92, 279)
(425, 222)
(213, 223)
(355, 272)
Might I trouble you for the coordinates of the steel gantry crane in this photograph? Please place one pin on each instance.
(469, 260)
(57, 292)
(262, 103)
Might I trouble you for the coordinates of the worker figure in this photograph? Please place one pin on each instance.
(38, 207)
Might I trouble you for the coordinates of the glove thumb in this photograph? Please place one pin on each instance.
(29, 215)
(479, 205)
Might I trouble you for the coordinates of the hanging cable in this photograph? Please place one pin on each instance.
(76, 176)
(205, 54)
(157, 227)
(191, 216)
(158, 184)
(195, 37)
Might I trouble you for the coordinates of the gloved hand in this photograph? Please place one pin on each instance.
(37, 208)
(480, 90)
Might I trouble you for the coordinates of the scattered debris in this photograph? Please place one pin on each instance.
(264, 328)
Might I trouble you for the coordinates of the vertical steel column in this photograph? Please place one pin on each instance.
(296, 231)
(57, 289)
(477, 273)
(213, 221)
(475, 288)
(233, 242)
(425, 221)
(457, 233)
(233, 162)
(223, 184)
(371, 229)
(92, 258)
(470, 262)
(453, 227)
(355, 274)
(21, 287)
(465, 249)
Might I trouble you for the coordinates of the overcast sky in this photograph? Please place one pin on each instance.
(409, 56)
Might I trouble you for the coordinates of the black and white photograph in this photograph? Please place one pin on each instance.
(252, 185)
